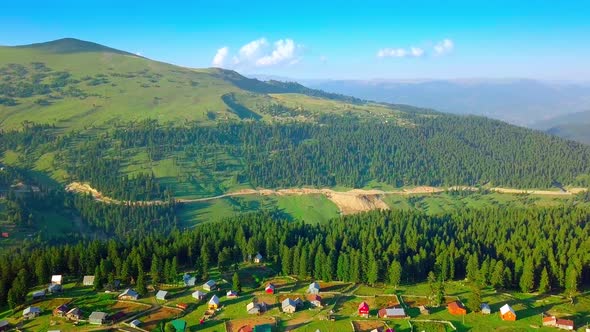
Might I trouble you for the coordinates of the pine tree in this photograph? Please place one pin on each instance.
(472, 269)
(527, 279)
(571, 282)
(497, 279)
(166, 271)
(140, 286)
(172, 276)
(373, 271)
(156, 269)
(395, 273)
(236, 284)
(98, 279)
(474, 301)
(544, 285)
(303, 264)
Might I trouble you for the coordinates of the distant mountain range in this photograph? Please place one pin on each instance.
(518, 101)
(575, 126)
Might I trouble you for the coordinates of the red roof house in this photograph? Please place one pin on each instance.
(364, 309)
(270, 289)
(456, 308)
(4, 234)
(507, 313)
(564, 324)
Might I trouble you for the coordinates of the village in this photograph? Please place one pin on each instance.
(268, 302)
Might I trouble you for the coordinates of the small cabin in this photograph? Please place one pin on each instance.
(315, 300)
(269, 289)
(314, 288)
(456, 308)
(210, 285)
(31, 312)
(188, 280)
(74, 314)
(198, 295)
(213, 303)
(129, 294)
(135, 323)
(161, 295)
(289, 306)
(98, 318)
(4, 326)
(56, 279)
(61, 311)
(485, 309)
(258, 258)
(507, 313)
(363, 309)
(88, 281)
(231, 294)
(392, 313)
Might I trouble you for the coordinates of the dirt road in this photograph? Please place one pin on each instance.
(352, 201)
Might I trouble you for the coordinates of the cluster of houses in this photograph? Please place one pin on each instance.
(54, 287)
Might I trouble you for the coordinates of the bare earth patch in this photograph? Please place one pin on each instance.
(236, 324)
(150, 321)
(367, 325)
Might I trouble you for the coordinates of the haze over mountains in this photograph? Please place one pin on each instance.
(519, 101)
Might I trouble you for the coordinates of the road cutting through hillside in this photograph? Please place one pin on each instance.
(348, 202)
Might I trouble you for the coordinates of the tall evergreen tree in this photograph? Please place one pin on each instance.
(395, 273)
(544, 284)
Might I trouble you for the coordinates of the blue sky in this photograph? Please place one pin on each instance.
(327, 39)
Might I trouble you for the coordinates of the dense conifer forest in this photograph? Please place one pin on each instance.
(504, 248)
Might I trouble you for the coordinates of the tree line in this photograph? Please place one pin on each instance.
(503, 248)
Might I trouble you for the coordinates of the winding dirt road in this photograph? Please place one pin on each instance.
(352, 201)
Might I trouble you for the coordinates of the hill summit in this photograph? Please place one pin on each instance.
(72, 45)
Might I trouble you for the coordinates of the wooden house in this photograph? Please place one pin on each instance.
(210, 285)
(485, 309)
(189, 281)
(392, 313)
(255, 308)
(231, 294)
(88, 281)
(315, 300)
(56, 279)
(129, 294)
(565, 324)
(363, 309)
(289, 306)
(4, 326)
(314, 288)
(31, 312)
(161, 295)
(456, 308)
(198, 295)
(269, 289)
(258, 258)
(507, 313)
(74, 314)
(135, 323)
(213, 303)
(61, 311)
(39, 294)
(98, 318)
(54, 288)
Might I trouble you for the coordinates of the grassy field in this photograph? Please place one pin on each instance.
(340, 298)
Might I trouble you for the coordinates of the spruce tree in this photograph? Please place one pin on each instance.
(527, 279)
(474, 300)
(98, 279)
(236, 284)
(395, 273)
(544, 285)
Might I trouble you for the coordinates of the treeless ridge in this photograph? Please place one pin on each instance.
(349, 202)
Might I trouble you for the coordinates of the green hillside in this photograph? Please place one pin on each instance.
(75, 84)
(137, 129)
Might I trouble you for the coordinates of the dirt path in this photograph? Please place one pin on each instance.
(352, 201)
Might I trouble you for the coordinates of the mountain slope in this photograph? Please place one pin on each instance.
(75, 84)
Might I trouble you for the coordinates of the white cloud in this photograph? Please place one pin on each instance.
(283, 52)
(400, 52)
(444, 46)
(219, 58)
(260, 53)
(416, 51)
(252, 49)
